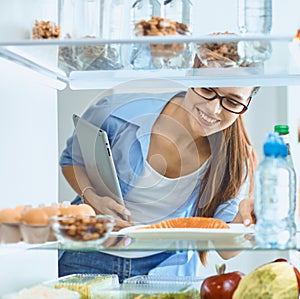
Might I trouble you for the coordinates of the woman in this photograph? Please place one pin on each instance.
(177, 154)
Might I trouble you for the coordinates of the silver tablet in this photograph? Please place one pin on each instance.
(98, 160)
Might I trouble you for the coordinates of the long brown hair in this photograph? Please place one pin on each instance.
(234, 159)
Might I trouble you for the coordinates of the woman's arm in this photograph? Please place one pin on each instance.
(76, 177)
(79, 181)
(244, 215)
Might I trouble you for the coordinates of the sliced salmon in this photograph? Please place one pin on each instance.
(189, 222)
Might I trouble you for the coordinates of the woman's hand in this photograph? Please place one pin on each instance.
(108, 206)
(117, 242)
(246, 213)
(77, 178)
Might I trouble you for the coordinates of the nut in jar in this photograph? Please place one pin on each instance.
(158, 26)
(91, 229)
(173, 55)
(45, 30)
(225, 54)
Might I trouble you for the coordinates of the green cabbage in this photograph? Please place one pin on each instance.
(271, 281)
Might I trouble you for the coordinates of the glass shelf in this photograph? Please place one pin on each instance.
(116, 243)
(282, 68)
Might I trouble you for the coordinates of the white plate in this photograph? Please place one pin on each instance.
(187, 233)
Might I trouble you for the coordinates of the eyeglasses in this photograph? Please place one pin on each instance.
(227, 103)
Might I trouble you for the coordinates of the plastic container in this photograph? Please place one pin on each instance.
(255, 17)
(41, 291)
(155, 287)
(152, 281)
(161, 18)
(275, 197)
(89, 286)
(10, 232)
(35, 234)
(161, 287)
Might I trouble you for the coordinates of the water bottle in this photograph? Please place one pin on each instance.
(283, 131)
(275, 197)
(255, 17)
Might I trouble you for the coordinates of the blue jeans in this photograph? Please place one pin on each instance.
(77, 262)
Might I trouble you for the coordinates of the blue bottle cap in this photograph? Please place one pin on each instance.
(275, 146)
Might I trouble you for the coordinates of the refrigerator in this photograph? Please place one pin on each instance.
(36, 119)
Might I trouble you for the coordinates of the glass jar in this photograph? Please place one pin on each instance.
(161, 18)
(86, 19)
(80, 18)
(119, 19)
(255, 17)
(43, 26)
(44, 21)
(179, 11)
(145, 10)
(117, 26)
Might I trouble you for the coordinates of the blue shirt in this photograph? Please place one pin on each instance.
(128, 120)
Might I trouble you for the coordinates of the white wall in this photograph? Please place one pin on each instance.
(18, 16)
(267, 109)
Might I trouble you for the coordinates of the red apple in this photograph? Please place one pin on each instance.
(222, 285)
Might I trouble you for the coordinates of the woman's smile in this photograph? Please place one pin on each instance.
(206, 119)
